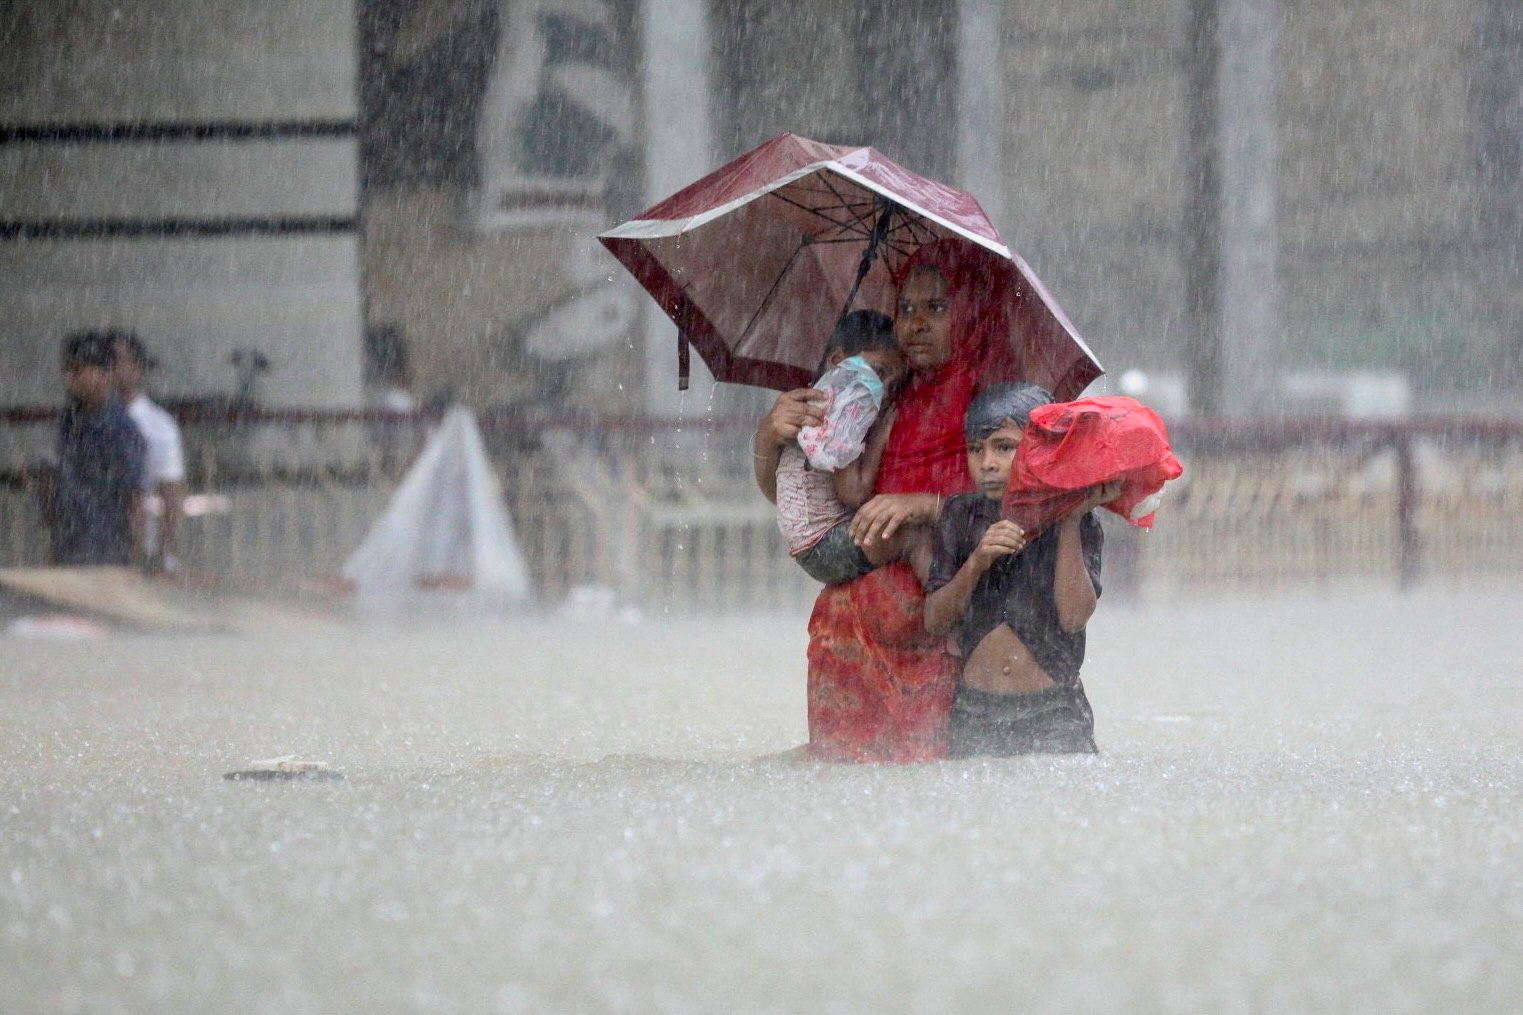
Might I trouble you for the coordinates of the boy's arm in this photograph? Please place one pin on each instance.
(1073, 590)
(945, 606)
(854, 481)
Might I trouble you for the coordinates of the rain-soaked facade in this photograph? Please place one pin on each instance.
(1246, 208)
(287, 178)
(186, 170)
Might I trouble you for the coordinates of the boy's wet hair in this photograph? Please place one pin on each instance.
(991, 407)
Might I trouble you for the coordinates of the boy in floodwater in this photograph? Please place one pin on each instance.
(824, 476)
(1019, 600)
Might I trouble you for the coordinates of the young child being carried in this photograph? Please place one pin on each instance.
(1019, 605)
(829, 472)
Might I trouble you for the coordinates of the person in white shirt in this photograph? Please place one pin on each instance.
(164, 477)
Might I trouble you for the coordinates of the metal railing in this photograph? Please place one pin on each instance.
(1314, 502)
(667, 516)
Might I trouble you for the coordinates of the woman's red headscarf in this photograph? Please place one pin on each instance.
(925, 451)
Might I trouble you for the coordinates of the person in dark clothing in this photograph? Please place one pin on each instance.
(1020, 600)
(93, 503)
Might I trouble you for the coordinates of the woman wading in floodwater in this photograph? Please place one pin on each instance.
(880, 687)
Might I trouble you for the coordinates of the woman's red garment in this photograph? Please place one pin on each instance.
(880, 688)
(926, 451)
(1069, 447)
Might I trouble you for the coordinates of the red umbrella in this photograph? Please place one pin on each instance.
(756, 261)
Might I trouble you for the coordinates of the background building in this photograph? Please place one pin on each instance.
(187, 170)
(281, 177)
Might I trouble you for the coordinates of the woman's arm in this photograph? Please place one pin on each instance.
(945, 607)
(886, 513)
(1072, 589)
(792, 411)
(854, 482)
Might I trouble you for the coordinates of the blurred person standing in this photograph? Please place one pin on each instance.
(164, 475)
(92, 496)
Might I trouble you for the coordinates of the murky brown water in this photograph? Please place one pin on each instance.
(1303, 804)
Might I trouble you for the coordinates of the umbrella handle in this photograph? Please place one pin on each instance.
(870, 253)
(684, 344)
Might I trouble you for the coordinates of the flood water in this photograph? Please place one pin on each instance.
(1304, 803)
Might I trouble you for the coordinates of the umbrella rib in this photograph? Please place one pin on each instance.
(915, 226)
(868, 212)
(818, 241)
(767, 299)
(856, 224)
(851, 226)
(859, 214)
(911, 233)
(920, 234)
(914, 223)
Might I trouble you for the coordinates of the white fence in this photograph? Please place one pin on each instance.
(668, 526)
(669, 519)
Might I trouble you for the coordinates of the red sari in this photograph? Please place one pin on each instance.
(880, 687)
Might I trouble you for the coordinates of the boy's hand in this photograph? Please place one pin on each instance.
(1103, 493)
(1000, 540)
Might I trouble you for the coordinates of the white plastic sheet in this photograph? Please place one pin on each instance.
(446, 538)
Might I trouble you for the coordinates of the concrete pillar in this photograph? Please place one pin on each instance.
(1497, 98)
(678, 150)
(981, 106)
(1232, 156)
(1250, 152)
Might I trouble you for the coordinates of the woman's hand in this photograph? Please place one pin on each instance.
(1000, 540)
(886, 513)
(792, 411)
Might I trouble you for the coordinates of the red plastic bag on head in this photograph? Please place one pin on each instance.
(1069, 447)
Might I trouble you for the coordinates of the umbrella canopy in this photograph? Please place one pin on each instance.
(756, 261)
